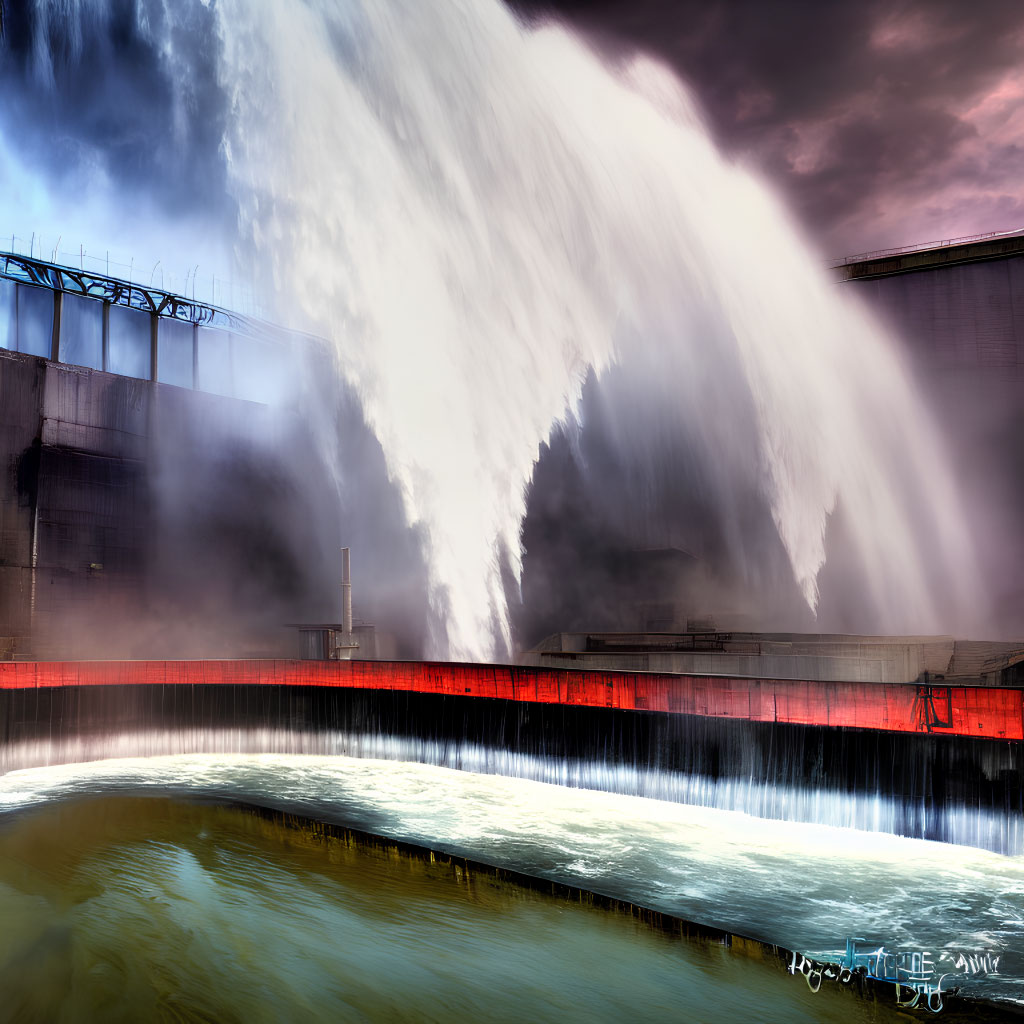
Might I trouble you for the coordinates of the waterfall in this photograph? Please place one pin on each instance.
(478, 214)
(876, 811)
(944, 788)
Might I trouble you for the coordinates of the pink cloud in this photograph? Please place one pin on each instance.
(910, 31)
(754, 103)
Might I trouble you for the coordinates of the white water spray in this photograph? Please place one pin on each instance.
(869, 811)
(477, 213)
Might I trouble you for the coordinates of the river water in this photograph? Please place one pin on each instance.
(807, 887)
(127, 908)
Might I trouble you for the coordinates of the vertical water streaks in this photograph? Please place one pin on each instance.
(479, 214)
(950, 789)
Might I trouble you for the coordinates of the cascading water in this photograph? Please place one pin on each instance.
(760, 797)
(478, 213)
(945, 788)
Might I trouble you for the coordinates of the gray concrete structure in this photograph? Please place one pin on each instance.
(121, 536)
(161, 496)
(832, 658)
(170, 481)
(958, 308)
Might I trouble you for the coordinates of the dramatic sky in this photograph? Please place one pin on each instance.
(885, 123)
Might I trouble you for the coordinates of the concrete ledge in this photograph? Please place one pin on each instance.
(929, 259)
(943, 710)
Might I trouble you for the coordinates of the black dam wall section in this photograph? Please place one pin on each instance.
(953, 789)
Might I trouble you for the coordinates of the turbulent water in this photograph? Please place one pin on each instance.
(145, 909)
(807, 887)
(879, 811)
(479, 213)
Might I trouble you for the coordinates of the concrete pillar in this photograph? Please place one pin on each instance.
(106, 337)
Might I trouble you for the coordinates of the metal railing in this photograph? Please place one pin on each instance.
(207, 290)
(27, 270)
(221, 351)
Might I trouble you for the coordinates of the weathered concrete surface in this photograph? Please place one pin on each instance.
(21, 389)
(138, 517)
(972, 711)
(885, 264)
(959, 313)
(967, 316)
(835, 657)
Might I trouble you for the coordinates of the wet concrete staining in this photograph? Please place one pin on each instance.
(928, 782)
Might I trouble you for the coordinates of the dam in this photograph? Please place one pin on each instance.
(679, 664)
(114, 394)
(114, 524)
(110, 395)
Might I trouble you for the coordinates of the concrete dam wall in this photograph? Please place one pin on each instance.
(119, 533)
(941, 763)
(154, 502)
(179, 480)
(959, 309)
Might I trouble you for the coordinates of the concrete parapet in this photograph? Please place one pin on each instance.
(853, 658)
(928, 258)
(945, 709)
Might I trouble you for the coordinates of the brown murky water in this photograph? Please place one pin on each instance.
(146, 908)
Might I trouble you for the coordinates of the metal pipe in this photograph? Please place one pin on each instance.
(346, 593)
(35, 565)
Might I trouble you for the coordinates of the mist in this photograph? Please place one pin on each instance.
(562, 330)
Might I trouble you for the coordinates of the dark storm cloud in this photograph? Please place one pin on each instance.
(884, 123)
(95, 88)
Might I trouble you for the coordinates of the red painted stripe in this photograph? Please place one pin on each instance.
(989, 712)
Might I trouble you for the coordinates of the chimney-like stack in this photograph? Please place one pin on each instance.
(346, 593)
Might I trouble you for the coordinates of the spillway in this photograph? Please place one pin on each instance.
(481, 215)
(415, 185)
(927, 761)
(782, 815)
